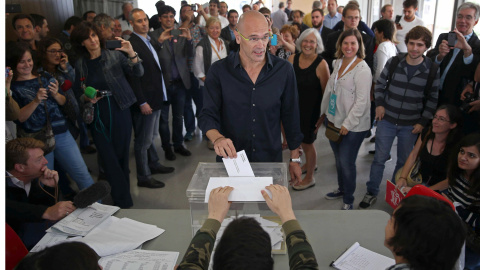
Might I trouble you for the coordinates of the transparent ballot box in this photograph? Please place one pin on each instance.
(259, 210)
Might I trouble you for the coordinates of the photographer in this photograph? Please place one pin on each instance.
(470, 106)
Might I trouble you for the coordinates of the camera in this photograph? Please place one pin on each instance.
(194, 7)
(103, 93)
(465, 107)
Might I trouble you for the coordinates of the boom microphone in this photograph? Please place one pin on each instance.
(92, 194)
(67, 84)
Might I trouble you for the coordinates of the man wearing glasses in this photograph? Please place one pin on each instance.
(458, 63)
(248, 96)
(351, 19)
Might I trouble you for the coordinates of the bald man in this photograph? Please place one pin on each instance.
(248, 95)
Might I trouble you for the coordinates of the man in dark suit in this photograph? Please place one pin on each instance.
(317, 23)
(150, 93)
(174, 47)
(458, 63)
(227, 32)
(351, 19)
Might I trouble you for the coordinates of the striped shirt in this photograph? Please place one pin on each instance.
(459, 192)
(403, 100)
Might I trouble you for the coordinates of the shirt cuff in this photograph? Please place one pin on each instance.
(212, 224)
(143, 104)
(291, 226)
(436, 60)
(468, 60)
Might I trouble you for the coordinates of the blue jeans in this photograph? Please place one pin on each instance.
(196, 93)
(346, 153)
(176, 97)
(144, 127)
(68, 155)
(385, 134)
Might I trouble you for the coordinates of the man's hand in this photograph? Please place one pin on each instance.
(224, 147)
(462, 44)
(468, 89)
(379, 113)
(165, 35)
(48, 177)
(280, 203)
(218, 203)
(146, 109)
(200, 10)
(185, 33)
(417, 128)
(399, 26)
(295, 173)
(59, 211)
(443, 50)
(475, 106)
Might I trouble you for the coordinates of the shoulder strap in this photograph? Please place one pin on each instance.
(45, 102)
(431, 77)
(391, 69)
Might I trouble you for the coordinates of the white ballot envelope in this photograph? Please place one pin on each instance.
(239, 166)
(245, 189)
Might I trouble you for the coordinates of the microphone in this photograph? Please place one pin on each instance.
(90, 92)
(67, 84)
(92, 194)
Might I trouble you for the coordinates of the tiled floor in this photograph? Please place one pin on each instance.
(173, 195)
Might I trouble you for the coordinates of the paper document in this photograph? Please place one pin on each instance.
(245, 189)
(51, 239)
(82, 221)
(239, 166)
(359, 258)
(120, 235)
(140, 260)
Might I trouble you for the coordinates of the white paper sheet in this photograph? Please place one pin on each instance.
(48, 240)
(245, 189)
(120, 235)
(360, 258)
(239, 166)
(82, 221)
(140, 259)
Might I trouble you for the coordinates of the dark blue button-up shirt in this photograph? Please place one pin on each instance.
(250, 113)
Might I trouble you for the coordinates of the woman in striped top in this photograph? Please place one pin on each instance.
(464, 187)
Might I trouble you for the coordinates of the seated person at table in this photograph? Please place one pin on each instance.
(424, 233)
(64, 256)
(433, 154)
(244, 244)
(31, 190)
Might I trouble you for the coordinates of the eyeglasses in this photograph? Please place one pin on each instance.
(440, 118)
(55, 51)
(352, 18)
(467, 18)
(255, 39)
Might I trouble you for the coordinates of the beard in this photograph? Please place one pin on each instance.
(317, 25)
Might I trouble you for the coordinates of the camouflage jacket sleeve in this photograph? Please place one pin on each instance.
(300, 252)
(198, 253)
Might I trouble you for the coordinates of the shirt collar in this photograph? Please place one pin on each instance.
(236, 60)
(20, 184)
(467, 37)
(335, 16)
(147, 39)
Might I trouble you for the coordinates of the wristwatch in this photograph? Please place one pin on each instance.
(133, 57)
(297, 160)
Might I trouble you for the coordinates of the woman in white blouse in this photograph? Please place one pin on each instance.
(346, 104)
(384, 35)
(209, 49)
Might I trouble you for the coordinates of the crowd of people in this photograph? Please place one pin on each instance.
(261, 82)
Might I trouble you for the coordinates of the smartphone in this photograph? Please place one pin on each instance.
(452, 37)
(194, 7)
(273, 40)
(113, 44)
(13, 8)
(176, 32)
(397, 19)
(7, 70)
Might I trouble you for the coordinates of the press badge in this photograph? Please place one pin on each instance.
(332, 104)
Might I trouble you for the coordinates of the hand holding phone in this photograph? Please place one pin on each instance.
(452, 38)
(397, 19)
(113, 44)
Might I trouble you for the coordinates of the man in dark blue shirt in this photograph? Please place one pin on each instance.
(248, 95)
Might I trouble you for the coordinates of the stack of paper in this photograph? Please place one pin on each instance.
(120, 235)
(140, 259)
(82, 221)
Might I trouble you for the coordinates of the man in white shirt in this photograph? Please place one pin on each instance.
(332, 17)
(408, 21)
(223, 9)
(279, 17)
(125, 20)
(213, 11)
